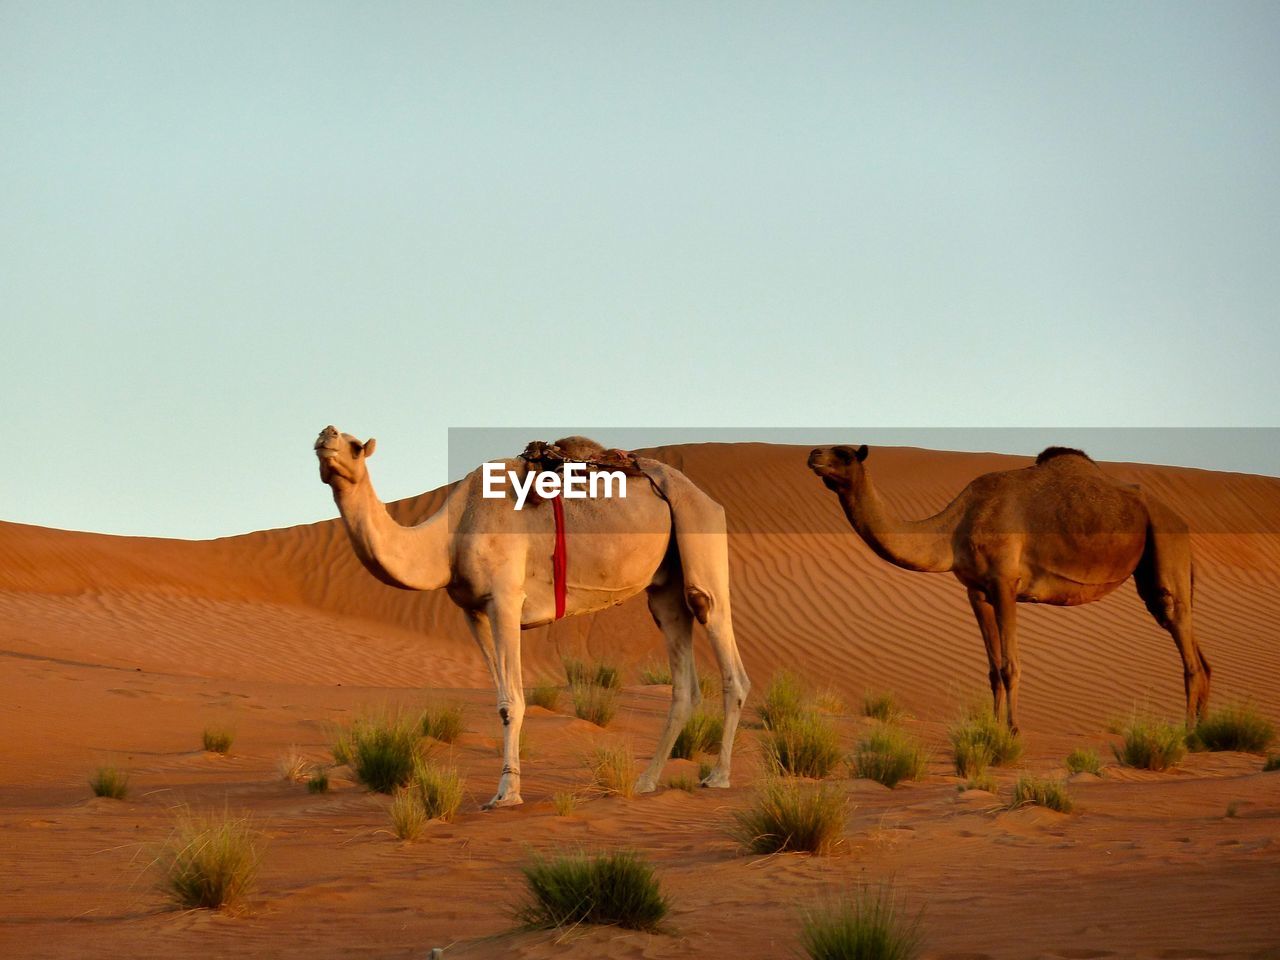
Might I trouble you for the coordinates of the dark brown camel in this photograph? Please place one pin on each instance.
(1058, 532)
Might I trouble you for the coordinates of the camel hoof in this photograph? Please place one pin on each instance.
(510, 800)
(716, 779)
(646, 784)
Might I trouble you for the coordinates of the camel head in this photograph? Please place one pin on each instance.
(839, 467)
(342, 458)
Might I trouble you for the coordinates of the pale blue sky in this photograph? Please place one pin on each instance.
(226, 225)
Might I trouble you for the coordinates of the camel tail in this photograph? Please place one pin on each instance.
(699, 525)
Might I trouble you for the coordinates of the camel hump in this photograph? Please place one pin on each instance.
(1053, 453)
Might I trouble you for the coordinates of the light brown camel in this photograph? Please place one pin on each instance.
(1058, 532)
(665, 537)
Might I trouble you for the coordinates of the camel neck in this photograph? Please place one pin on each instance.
(921, 545)
(411, 558)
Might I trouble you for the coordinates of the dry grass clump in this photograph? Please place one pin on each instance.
(828, 701)
(978, 738)
(565, 801)
(615, 889)
(806, 745)
(791, 815)
(1273, 763)
(593, 703)
(599, 674)
(407, 816)
(683, 782)
(1150, 743)
(443, 722)
(784, 699)
(1084, 760)
(982, 781)
(109, 781)
(438, 789)
(613, 771)
(210, 860)
(655, 673)
(1236, 726)
(881, 706)
(889, 755)
(545, 695)
(318, 781)
(218, 738)
(380, 749)
(293, 766)
(701, 734)
(870, 925)
(432, 793)
(1043, 793)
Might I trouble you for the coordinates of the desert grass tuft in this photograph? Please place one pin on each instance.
(109, 781)
(594, 703)
(804, 745)
(828, 701)
(1273, 763)
(701, 734)
(607, 675)
(319, 781)
(443, 722)
(575, 671)
(784, 699)
(655, 673)
(293, 766)
(705, 769)
(889, 755)
(869, 925)
(438, 790)
(545, 695)
(683, 781)
(381, 750)
(1236, 726)
(978, 738)
(1151, 743)
(791, 815)
(613, 771)
(564, 802)
(210, 860)
(881, 706)
(218, 739)
(615, 889)
(599, 674)
(407, 816)
(1042, 793)
(1084, 760)
(981, 781)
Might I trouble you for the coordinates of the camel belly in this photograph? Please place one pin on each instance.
(1061, 592)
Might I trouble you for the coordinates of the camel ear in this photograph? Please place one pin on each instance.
(861, 453)
(370, 446)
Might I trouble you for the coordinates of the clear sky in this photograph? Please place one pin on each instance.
(226, 225)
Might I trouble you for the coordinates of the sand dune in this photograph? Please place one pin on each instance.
(128, 646)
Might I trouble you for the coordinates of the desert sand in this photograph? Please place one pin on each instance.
(124, 649)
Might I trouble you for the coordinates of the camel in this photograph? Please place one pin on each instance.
(666, 537)
(1058, 532)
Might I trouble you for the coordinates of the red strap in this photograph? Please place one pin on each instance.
(559, 559)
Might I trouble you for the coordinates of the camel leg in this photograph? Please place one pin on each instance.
(986, 616)
(666, 603)
(1167, 595)
(503, 624)
(483, 635)
(1006, 610)
(733, 681)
